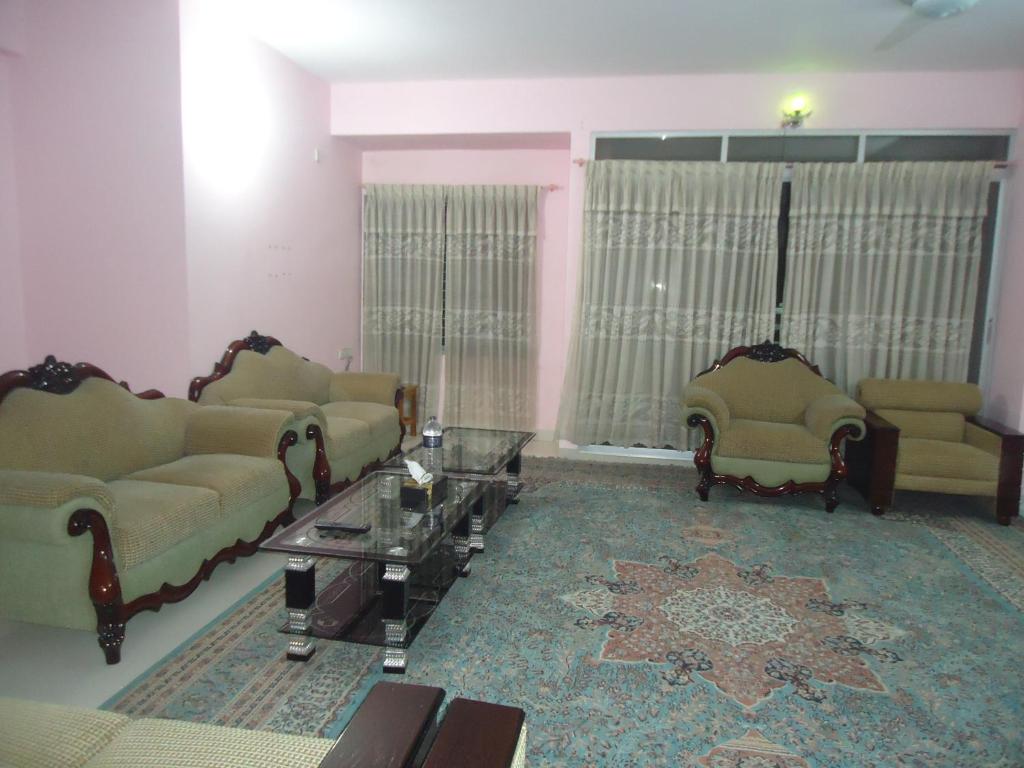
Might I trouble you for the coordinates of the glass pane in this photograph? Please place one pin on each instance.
(468, 450)
(807, 149)
(655, 148)
(919, 148)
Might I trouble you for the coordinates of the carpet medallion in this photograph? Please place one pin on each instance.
(638, 626)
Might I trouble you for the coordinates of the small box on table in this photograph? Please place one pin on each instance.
(413, 495)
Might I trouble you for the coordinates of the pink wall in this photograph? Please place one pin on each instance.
(12, 321)
(518, 166)
(97, 134)
(272, 235)
(581, 107)
(1006, 396)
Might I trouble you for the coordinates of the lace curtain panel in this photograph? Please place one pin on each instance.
(679, 265)
(403, 266)
(882, 268)
(490, 376)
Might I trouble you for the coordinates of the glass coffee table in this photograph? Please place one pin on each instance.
(401, 567)
(490, 456)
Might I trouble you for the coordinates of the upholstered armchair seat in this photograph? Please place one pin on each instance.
(771, 424)
(746, 439)
(348, 422)
(927, 436)
(164, 489)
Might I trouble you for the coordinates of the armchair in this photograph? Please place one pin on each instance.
(771, 424)
(348, 422)
(927, 436)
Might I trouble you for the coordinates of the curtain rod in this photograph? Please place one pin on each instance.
(547, 187)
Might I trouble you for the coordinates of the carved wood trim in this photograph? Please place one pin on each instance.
(254, 342)
(321, 466)
(169, 593)
(104, 583)
(60, 378)
(765, 352)
(288, 439)
(708, 477)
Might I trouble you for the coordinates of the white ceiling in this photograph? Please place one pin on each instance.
(353, 40)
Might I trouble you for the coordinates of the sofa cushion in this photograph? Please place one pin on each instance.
(939, 458)
(238, 480)
(381, 419)
(777, 392)
(279, 374)
(927, 425)
(153, 517)
(154, 743)
(99, 430)
(746, 439)
(35, 735)
(919, 395)
(346, 436)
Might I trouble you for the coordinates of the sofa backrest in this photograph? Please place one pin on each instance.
(777, 391)
(99, 429)
(931, 410)
(280, 374)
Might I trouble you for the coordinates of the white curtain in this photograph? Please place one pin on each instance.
(403, 266)
(882, 268)
(490, 375)
(679, 265)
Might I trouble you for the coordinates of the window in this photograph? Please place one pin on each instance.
(847, 148)
(838, 149)
(657, 148)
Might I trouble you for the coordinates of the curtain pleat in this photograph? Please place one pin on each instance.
(882, 268)
(490, 375)
(679, 265)
(403, 264)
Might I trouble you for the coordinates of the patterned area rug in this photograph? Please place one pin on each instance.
(638, 626)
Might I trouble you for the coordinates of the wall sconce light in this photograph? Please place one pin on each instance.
(795, 111)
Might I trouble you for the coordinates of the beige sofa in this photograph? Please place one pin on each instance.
(349, 422)
(166, 490)
(772, 424)
(34, 735)
(928, 436)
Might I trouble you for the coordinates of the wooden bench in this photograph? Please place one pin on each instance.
(396, 727)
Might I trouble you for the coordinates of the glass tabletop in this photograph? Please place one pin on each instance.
(466, 450)
(395, 534)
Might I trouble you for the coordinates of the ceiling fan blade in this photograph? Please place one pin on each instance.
(912, 24)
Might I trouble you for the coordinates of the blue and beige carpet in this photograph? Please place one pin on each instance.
(637, 626)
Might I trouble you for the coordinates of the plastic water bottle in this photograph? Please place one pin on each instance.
(432, 433)
(432, 453)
